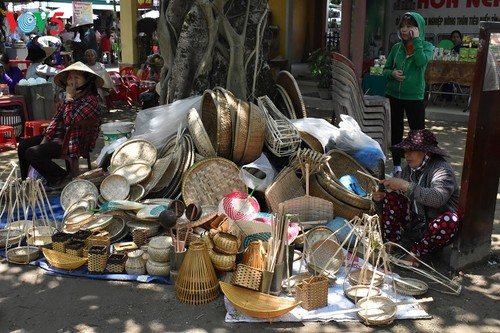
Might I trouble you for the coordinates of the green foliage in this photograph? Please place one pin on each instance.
(320, 66)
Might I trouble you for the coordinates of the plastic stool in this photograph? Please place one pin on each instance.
(35, 127)
(7, 137)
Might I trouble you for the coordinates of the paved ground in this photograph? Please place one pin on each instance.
(32, 301)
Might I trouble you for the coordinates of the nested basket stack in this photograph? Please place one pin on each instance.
(223, 253)
(313, 292)
(98, 258)
(325, 184)
(197, 282)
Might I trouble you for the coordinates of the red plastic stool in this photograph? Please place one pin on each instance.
(7, 137)
(35, 127)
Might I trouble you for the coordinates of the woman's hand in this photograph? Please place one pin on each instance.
(378, 196)
(398, 75)
(395, 184)
(71, 90)
(414, 32)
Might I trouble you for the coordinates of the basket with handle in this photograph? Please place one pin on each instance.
(310, 210)
(97, 238)
(313, 292)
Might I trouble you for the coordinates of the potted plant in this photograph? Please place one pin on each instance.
(320, 66)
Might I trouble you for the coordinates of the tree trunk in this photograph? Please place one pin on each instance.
(209, 43)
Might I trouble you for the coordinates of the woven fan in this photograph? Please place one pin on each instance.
(311, 210)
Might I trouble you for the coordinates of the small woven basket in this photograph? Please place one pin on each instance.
(116, 263)
(285, 186)
(59, 241)
(75, 248)
(313, 292)
(140, 236)
(97, 258)
(197, 282)
(248, 277)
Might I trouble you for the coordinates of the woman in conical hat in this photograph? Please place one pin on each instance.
(421, 205)
(81, 102)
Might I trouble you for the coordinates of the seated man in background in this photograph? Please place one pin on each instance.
(9, 74)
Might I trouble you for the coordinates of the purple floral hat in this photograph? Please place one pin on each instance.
(421, 140)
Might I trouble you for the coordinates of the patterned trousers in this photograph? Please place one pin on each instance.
(396, 216)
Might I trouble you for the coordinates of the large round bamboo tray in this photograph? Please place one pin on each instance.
(115, 187)
(77, 190)
(376, 310)
(209, 180)
(134, 151)
(324, 257)
(133, 172)
(63, 260)
(257, 304)
(364, 277)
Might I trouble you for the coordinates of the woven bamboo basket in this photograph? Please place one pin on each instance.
(311, 210)
(313, 292)
(98, 258)
(340, 208)
(197, 282)
(59, 241)
(355, 293)
(139, 236)
(285, 186)
(226, 243)
(216, 119)
(222, 262)
(376, 310)
(364, 277)
(75, 248)
(23, 254)
(282, 138)
(248, 277)
(199, 134)
(288, 82)
(63, 260)
(256, 135)
(240, 131)
(116, 263)
(97, 238)
(257, 304)
(412, 287)
(254, 255)
(341, 164)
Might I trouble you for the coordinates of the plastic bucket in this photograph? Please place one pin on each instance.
(113, 131)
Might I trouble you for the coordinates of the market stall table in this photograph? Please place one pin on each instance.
(457, 73)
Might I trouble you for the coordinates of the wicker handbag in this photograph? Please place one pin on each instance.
(313, 292)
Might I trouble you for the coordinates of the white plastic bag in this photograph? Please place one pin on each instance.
(159, 123)
(262, 164)
(319, 128)
(352, 140)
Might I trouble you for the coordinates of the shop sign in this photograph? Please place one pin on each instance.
(144, 4)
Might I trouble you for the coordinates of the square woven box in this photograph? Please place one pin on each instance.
(313, 292)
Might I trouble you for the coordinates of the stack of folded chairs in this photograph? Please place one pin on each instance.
(372, 113)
